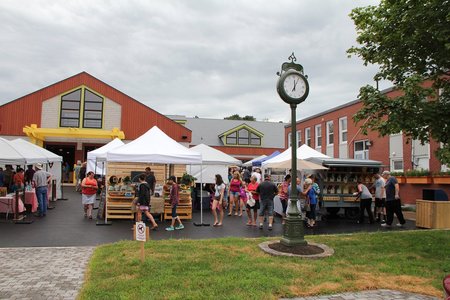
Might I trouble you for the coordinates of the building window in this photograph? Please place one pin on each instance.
(361, 150)
(290, 139)
(93, 110)
(243, 137)
(81, 107)
(308, 136)
(343, 130)
(299, 138)
(318, 136)
(397, 165)
(231, 138)
(330, 133)
(70, 109)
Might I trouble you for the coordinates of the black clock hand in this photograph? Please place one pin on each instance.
(295, 84)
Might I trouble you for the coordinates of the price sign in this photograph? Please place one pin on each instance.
(140, 231)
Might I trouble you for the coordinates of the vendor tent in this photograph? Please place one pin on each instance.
(303, 152)
(258, 163)
(16, 155)
(154, 146)
(95, 158)
(214, 162)
(21, 152)
(249, 163)
(301, 165)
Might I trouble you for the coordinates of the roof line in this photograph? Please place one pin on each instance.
(385, 91)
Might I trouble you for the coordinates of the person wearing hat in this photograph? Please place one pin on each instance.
(41, 179)
(267, 191)
(393, 204)
(174, 200)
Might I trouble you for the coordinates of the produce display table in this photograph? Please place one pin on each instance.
(31, 199)
(433, 214)
(8, 204)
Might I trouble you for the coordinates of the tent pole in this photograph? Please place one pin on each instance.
(201, 199)
(62, 190)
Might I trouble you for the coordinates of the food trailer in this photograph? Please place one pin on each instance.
(339, 182)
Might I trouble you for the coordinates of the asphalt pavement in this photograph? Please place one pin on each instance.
(66, 226)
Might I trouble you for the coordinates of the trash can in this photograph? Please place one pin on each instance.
(434, 195)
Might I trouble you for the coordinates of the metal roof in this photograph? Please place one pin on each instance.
(207, 131)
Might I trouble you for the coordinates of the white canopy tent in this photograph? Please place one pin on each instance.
(303, 152)
(52, 161)
(154, 146)
(96, 158)
(214, 162)
(13, 154)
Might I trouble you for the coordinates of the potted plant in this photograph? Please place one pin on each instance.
(400, 177)
(418, 177)
(441, 178)
(187, 180)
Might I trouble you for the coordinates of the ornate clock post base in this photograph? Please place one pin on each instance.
(293, 228)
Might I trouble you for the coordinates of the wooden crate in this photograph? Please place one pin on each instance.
(184, 212)
(433, 214)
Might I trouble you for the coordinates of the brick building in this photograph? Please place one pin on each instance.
(334, 133)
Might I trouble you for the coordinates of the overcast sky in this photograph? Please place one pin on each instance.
(200, 58)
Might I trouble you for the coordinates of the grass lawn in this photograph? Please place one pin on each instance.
(235, 268)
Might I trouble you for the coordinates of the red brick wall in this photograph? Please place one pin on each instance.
(409, 193)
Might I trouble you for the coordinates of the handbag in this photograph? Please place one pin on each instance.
(307, 205)
(134, 204)
(250, 202)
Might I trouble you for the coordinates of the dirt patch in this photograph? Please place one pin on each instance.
(298, 250)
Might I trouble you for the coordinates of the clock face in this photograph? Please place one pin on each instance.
(294, 86)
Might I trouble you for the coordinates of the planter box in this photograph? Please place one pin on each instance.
(401, 179)
(441, 179)
(419, 180)
(433, 214)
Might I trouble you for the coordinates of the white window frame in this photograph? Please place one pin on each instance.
(317, 137)
(393, 160)
(289, 139)
(342, 131)
(308, 136)
(364, 152)
(330, 142)
(299, 138)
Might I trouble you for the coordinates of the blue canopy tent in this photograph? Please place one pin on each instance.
(257, 163)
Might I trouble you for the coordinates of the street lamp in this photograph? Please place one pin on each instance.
(293, 88)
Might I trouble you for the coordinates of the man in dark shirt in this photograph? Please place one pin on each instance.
(393, 204)
(266, 190)
(150, 178)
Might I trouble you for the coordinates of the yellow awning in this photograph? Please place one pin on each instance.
(37, 135)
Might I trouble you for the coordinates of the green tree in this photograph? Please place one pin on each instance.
(409, 40)
(237, 117)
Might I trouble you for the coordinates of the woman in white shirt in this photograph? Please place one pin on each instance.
(219, 201)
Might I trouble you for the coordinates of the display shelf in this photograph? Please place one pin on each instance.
(119, 206)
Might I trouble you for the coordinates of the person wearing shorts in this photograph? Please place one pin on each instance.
(144, 200)
(174, 200)
(267, 191)
(380, 198)
(251, 189)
